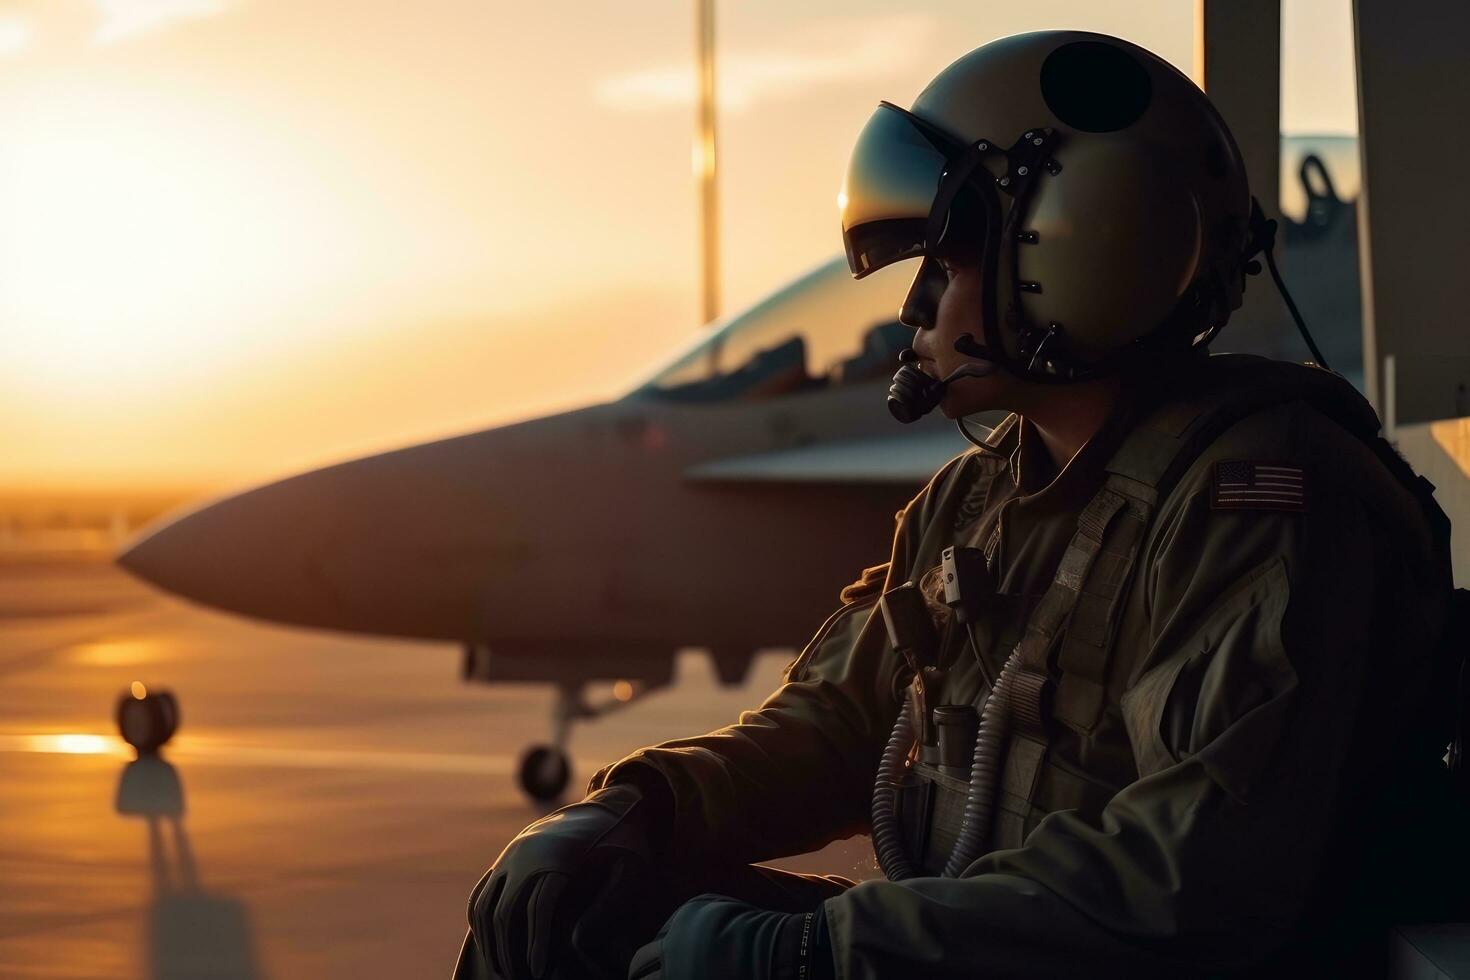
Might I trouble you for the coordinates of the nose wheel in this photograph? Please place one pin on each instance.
(544, 773)
(545, 770)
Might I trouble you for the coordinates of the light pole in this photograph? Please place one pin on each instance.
(705, 161)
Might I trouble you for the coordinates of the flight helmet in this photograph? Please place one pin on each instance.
(1097, 187)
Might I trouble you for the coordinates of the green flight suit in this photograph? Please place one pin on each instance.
(1263, 788)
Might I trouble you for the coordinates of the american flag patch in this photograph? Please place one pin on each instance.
(1247, 485)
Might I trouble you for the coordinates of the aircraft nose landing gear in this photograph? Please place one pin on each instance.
(545, 770)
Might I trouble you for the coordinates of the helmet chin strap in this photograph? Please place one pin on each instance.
(982, 370)
(967, 346)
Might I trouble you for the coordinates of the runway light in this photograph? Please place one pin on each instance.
(69, 743)
(123, 652)
(76, 744)
(623, 691)
(139, 691)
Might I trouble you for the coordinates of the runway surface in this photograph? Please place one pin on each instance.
(324, 811)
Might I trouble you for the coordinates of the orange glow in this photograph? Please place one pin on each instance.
(228, 258)
(82, 744)
(70, 743)
(139, 691)
(116, 653)
(1453, 436)
(623, 691)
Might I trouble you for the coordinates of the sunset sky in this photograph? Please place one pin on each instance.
(243, 237)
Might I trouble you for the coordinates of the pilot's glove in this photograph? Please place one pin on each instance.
(523, 911)
(711, 937)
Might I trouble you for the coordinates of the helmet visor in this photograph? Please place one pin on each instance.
(891, 183)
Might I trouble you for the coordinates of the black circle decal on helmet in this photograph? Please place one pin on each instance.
(1095, 87)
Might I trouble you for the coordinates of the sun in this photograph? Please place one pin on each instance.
(145, 238)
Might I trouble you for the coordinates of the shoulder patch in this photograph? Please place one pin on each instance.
(1248, 484)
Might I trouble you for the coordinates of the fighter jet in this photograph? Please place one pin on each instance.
(723, 503)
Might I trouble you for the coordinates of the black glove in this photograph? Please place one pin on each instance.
(597, 852)
(711, 937)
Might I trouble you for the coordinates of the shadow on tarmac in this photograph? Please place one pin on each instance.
(190, 932)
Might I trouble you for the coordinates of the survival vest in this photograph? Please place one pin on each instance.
(1083, 604)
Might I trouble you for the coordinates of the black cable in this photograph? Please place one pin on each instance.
(1263, 241)
(985, 673)
(1295, 314)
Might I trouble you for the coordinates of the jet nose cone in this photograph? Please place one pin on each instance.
(253, 553)
(412, 542)
(427, 541)
(151, 557)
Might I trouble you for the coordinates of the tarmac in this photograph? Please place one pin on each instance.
(324, 811)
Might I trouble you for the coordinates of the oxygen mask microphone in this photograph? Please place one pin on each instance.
(914, 394)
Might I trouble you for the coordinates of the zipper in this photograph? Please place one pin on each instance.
(992, 543)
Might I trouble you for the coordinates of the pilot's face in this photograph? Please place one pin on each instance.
(943, 305)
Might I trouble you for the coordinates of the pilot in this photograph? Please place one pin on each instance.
(1155, 681)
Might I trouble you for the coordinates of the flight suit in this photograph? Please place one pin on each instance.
(1260, 788)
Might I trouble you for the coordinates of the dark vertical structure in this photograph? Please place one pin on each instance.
(1414, 235)
(1238, 63)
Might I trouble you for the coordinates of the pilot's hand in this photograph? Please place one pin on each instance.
(524, 908)
(712, 937)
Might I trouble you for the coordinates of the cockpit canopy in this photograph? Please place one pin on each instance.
(824, 329)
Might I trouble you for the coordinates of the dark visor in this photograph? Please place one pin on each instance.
(890, 188)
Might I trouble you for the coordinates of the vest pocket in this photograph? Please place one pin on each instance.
(932, 811)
